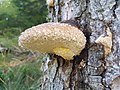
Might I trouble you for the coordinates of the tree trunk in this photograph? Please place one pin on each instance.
(92, 69)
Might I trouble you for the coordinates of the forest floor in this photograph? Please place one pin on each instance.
(19, 69)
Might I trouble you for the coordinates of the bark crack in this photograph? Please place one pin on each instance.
(57, 70)
(114, 8)
(59, 11)
(86, 7)
(71, 76)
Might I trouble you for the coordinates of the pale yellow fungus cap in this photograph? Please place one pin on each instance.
(50, 3)
(59, 38)
(106, 41)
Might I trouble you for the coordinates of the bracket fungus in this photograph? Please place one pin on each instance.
(50, 3)
(61, 39)
(106, 41)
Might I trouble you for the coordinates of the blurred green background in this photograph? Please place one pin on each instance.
(19, 69)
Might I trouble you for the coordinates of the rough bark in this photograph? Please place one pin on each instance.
(91, 70)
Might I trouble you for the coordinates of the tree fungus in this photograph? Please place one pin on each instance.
(50, 3)
(106, 41)
(61, 39)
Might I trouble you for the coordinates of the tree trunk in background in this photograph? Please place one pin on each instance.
(91, 70)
